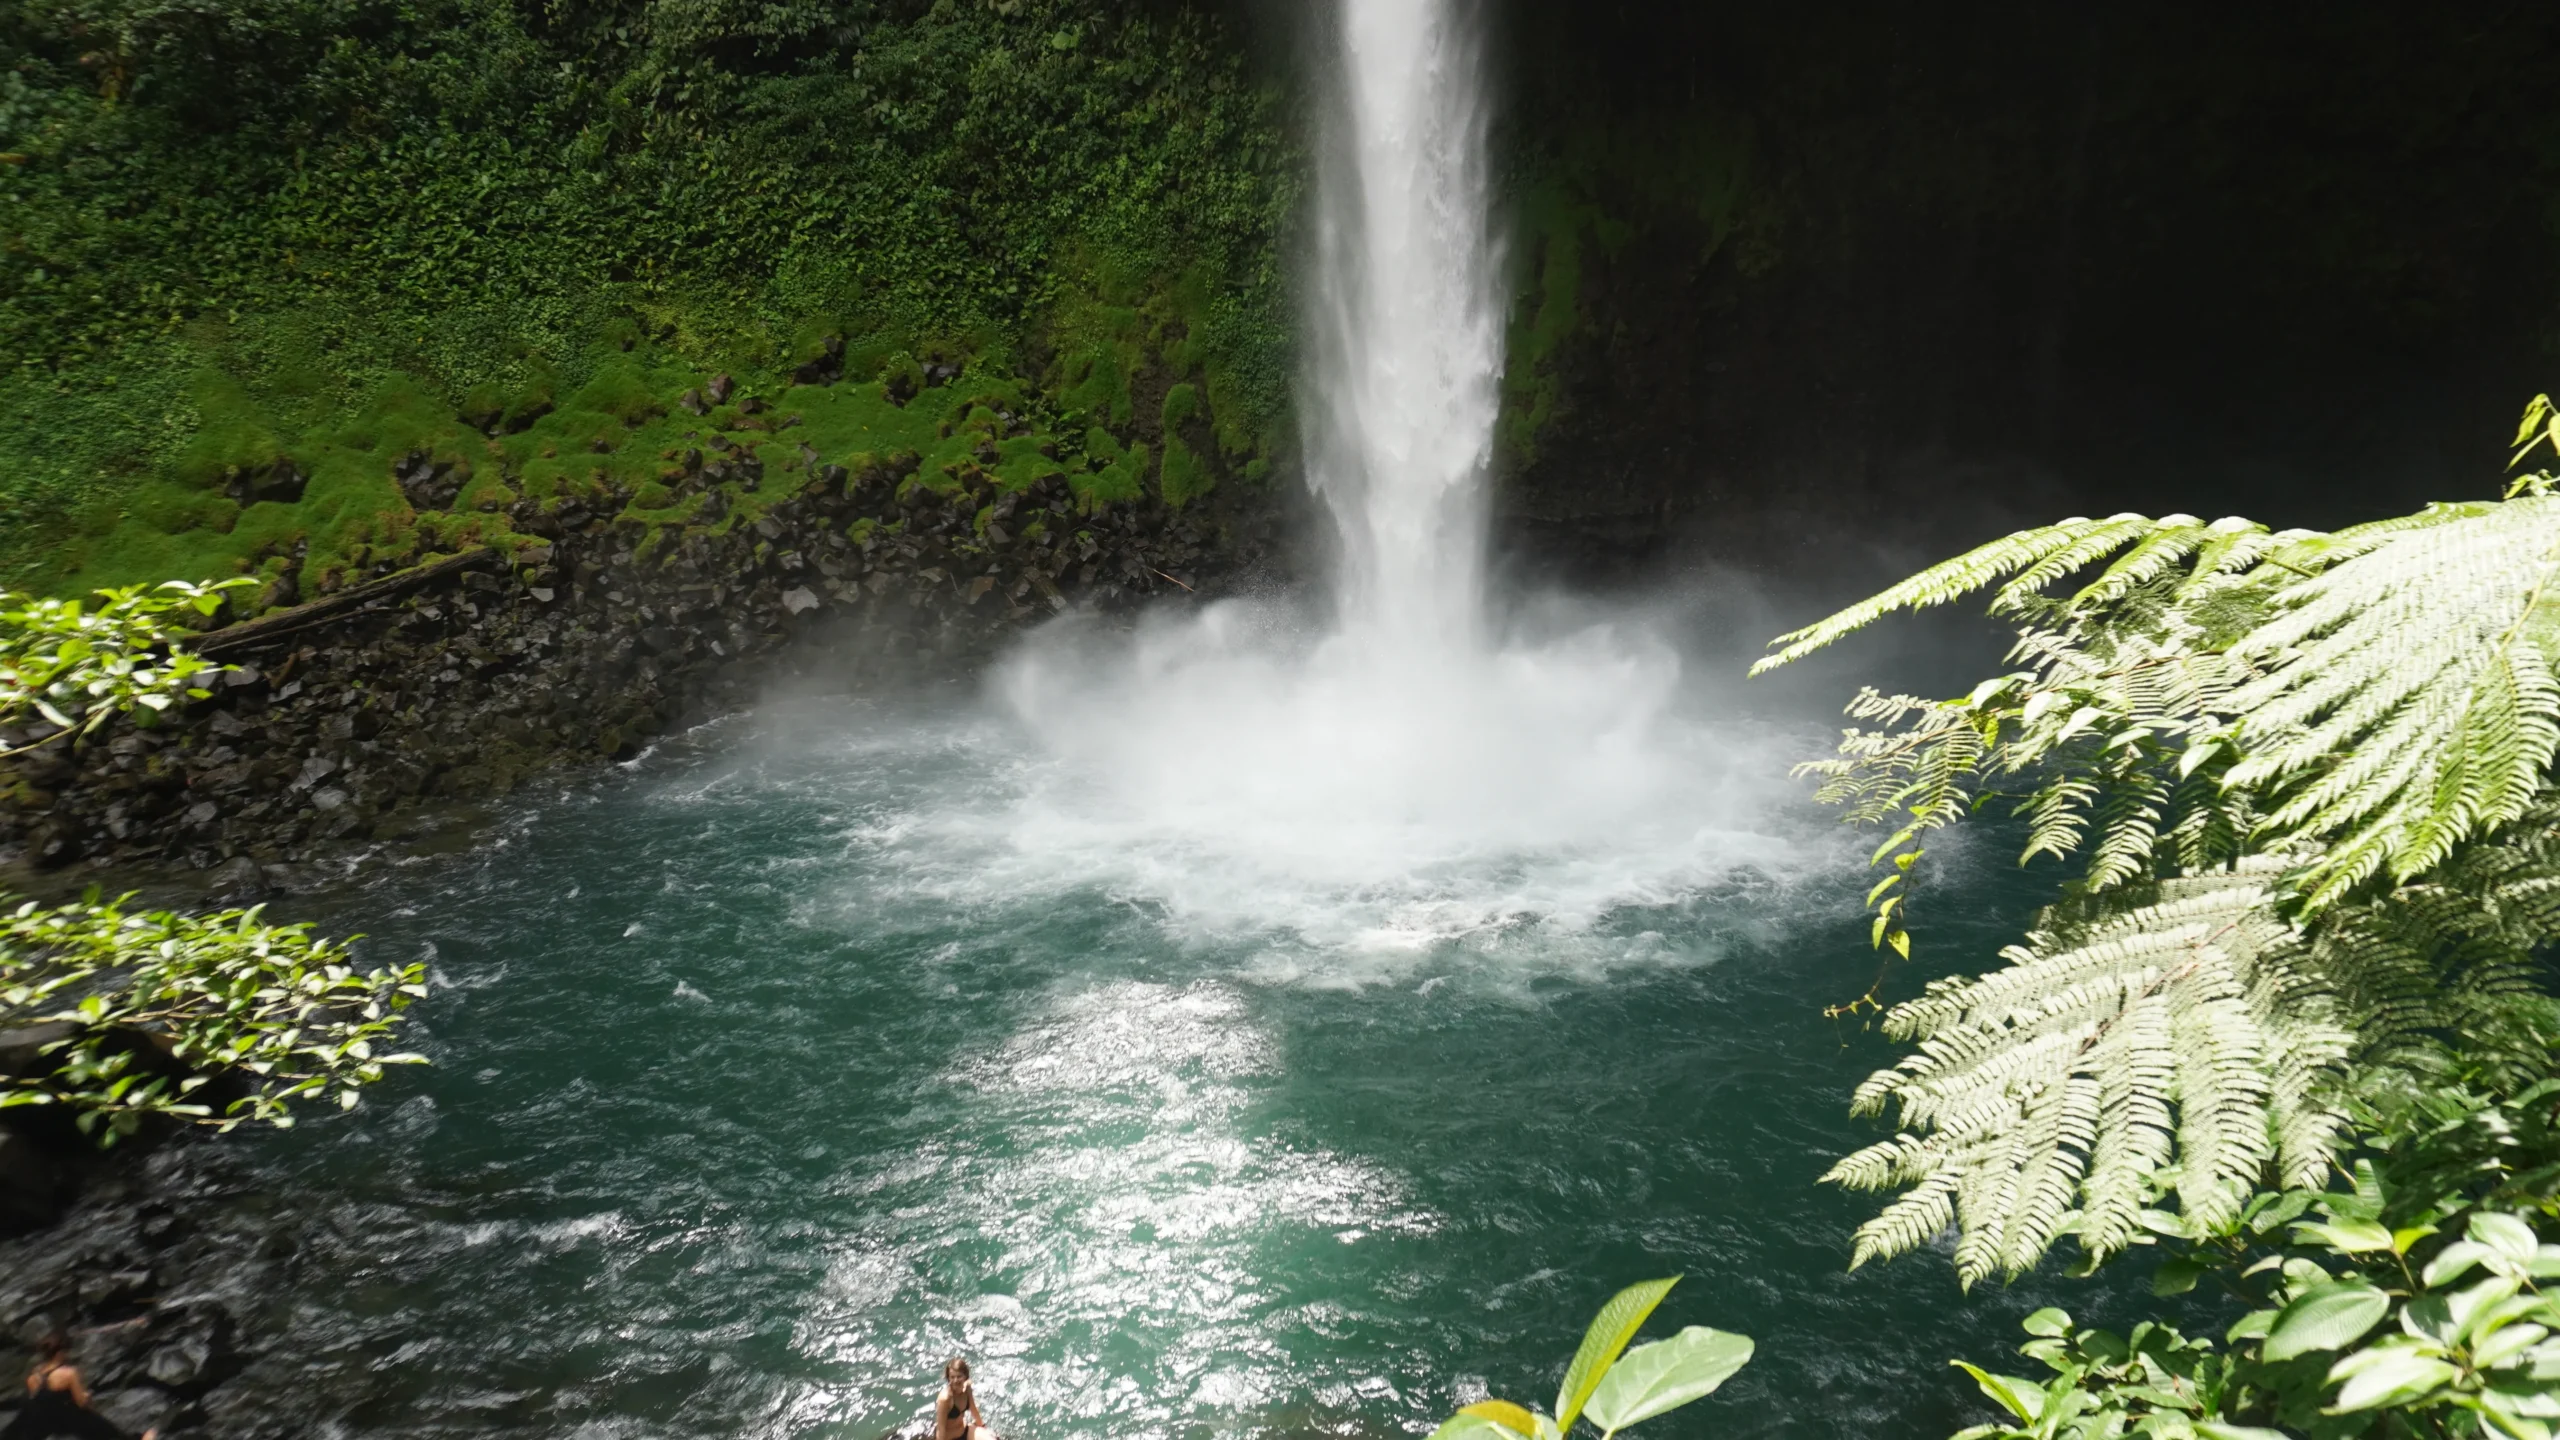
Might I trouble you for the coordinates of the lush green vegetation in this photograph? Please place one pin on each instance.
(2307, 780)
(222, 1018)
(335, 233)
(1610, 1385)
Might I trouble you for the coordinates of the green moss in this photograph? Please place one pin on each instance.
(177, 509)
(901, 377)
(1594, 196)
(232, 438)
(813, 340)
(621, 390)
(484, 403)
(1122, 479)
(1185, 477)
(1181, 403)
(1098, 382)
(1024, 461)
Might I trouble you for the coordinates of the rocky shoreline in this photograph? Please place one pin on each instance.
(149, 1298)
(356, 717)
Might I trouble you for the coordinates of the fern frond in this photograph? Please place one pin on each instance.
(2409, 702)
(1952, 580)
(2308, 552)
(2047, 1094)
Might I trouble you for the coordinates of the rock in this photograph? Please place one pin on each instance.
(30, 1183)
(181, 1362)
(137, 1408)
(22, 1049)
(51, 846)
(236, 881)
(718, 389)
(347, 725)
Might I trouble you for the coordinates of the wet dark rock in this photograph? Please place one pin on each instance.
(32, 1183)
(427, 484)
(280, 482)
(236, 881)
(370, 719)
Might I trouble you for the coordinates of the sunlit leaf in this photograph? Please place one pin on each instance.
(1666, 1375)
(1611, 1329)
(2326, 1317)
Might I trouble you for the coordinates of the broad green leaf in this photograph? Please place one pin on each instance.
(1611, 1329)
(2505, 1344)
(1463, 1426)
(2375, 1378)
(2051, 1320)
(2351, 1237)
(1666, 1375)
(2452, 1261)
(2326, 1317)
(1518, 1419)
(2176, 1276)
(2508, 1237)
(2022, 1398)
(2217, 1430)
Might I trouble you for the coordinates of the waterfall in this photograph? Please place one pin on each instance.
(1418, 768)
(1404, 326)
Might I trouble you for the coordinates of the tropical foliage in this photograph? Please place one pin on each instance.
(219, 1018)
(72, 666)
(1610, 1385)
(2404, 1299)
(2304, 780)
(233, 226)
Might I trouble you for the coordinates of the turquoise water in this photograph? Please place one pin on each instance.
(807, 1052)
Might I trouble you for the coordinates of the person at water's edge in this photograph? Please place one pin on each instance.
(58, 1401)
(956, 1415)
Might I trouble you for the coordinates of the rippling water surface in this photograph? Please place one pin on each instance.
(789, 1063)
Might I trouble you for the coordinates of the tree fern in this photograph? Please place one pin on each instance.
(2306, 777)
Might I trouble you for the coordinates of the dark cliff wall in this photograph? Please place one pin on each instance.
(1790, 272)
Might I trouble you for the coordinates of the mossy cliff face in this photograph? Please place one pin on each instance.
(568, 591)
(341, 235)
(643, 438)
(1789, 273)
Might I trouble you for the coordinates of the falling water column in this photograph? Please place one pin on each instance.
(1406, 352)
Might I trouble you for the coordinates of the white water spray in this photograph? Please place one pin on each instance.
(1407, 775)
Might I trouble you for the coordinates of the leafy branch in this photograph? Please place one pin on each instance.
(222, 1000)
(75, 665)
